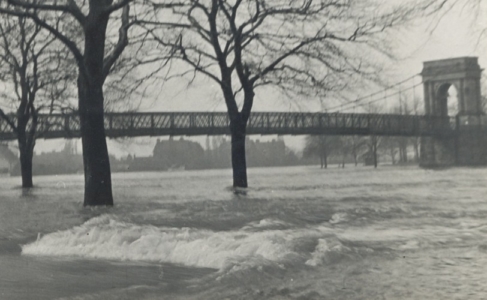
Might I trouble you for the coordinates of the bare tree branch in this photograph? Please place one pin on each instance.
(121, 44)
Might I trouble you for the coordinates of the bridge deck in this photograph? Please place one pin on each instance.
(203, 123)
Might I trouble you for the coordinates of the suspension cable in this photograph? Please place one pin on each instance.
(356, 101)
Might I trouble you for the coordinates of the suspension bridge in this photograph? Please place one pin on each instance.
(263, 123)
(438, 130)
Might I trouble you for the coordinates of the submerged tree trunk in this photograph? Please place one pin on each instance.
(239, 163)
(355, 160)
(26, 170)
(98, 183)
(26, 144)
(26, 155)
(373, 149)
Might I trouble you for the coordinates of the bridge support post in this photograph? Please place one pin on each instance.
(467, 147)
(437, 152)
(472, 147)
(467, 144)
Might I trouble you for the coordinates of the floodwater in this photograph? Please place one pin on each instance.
(299, 233)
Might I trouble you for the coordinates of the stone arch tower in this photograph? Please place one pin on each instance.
(468, 145)
(464, 73)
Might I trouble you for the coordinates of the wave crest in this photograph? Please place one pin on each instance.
(106, 237)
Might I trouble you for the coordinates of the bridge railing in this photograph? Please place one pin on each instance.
(166, 123)
(334, 123)
(202, 123)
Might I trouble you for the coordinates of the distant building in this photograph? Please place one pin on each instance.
(183, 154)
(258, 154)
(172, 154)
(273, 153)
(179, 154)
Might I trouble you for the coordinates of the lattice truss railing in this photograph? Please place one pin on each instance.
(352, 123)
(201, 123)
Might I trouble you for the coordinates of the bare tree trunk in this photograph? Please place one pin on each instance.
(374, 149)
(26, 148)
(239, 163)
(355, 147)
(26, 170)
(325, 156)
(26, 155)
(403, 156)
(416, 149)
(98, 183)
(322, 162)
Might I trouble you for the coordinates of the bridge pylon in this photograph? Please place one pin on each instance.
(468, 146)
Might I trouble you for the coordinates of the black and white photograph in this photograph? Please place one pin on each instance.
(243, 149)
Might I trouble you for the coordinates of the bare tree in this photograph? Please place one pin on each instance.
(439, 8)
(322, 146)
(373, 144)
(87, 24)
(36, 77)
(300, 47)
(389, 146)
(354, 145)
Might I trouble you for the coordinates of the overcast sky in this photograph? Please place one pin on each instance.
(457, 34)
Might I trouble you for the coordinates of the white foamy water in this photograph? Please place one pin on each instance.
(299, 233)
(106, 238)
